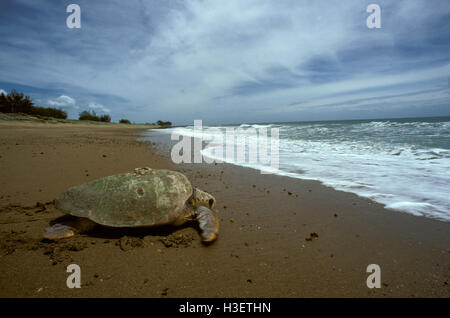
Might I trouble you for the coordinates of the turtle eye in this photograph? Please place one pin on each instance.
(211, 202)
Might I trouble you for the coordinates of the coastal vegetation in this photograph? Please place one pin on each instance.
(18, 106)
(16, 102)
(86, 115)
(164, 123)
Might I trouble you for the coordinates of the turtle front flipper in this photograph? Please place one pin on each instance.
(208, 222)
(200, 197)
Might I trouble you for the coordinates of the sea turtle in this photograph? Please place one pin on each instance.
(145, 197)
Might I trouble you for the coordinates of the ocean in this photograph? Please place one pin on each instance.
(401, 163)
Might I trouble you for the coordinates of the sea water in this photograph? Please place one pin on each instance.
(401, 163)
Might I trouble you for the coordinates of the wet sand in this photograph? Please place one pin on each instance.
(264, 249)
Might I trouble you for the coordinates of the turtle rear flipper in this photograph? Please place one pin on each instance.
(58, 231)
(208, 222)
(72, 227)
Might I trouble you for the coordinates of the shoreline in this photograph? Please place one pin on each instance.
(261, 251)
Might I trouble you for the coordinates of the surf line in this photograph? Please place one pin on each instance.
(254, 146)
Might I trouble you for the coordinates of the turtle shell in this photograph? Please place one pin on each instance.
(142, 198)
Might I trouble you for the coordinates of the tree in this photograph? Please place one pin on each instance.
(15, 102)
(105, 118)
(49, 112)
(86, 115)
(164, 123)
(3, 103)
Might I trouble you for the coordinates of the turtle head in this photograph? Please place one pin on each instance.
(202, 198)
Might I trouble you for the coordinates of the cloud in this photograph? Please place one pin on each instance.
(98, 107)
(63, 101)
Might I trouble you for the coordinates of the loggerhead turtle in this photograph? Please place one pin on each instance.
(145, 197)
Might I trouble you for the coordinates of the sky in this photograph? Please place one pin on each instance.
(233, 61)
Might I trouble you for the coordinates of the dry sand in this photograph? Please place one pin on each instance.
(262, 250)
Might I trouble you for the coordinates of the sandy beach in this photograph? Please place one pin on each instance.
(264, 247)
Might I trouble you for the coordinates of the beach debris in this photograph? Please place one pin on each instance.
(289, 193)
(312, 236)
(144, 197)
(165, 292)
(231, 220)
